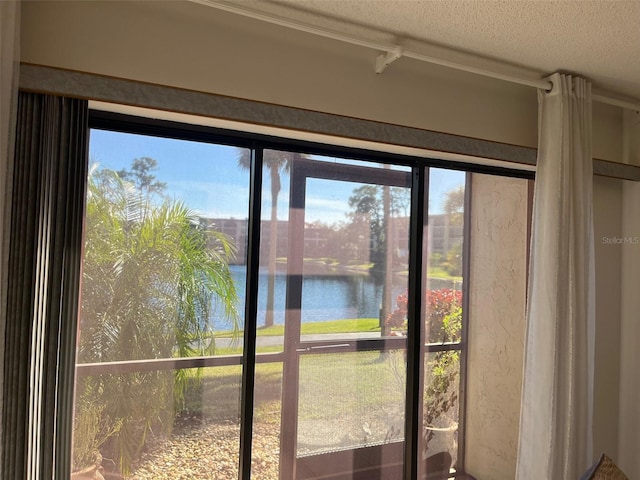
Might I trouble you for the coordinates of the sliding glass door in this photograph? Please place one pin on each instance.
(256, 309)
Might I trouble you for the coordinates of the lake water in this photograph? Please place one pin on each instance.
(324, 297)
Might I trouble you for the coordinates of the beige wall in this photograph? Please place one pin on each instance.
(195, 47)
(629, 420)
(9, 66)
(629, 413)
(607, 217)
(192, 46)
(201, 48)
(496, 324)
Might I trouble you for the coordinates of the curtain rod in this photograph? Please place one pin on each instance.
(393, 52)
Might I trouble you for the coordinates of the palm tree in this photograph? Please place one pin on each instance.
(152, 275)
(276, 162)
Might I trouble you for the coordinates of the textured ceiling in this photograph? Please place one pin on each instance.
(597, 39)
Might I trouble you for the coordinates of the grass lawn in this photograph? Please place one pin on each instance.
(349, 325)
(360, 385)
(341, 396)
(348, 380)
(437, 272)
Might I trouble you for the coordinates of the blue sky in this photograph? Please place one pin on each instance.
(207, 177)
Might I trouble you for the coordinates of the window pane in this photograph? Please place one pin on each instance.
(333, 253)
(443, 320)
(441, 411)
(350, 400)
(163, 279)
(272, 287)
(346, 265)
(444, 255)
(265, 453)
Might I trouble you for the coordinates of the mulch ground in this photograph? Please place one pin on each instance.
(209, 451)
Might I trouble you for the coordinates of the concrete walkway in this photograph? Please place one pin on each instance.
(275, 340)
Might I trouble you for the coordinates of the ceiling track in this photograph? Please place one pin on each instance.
(390, 53)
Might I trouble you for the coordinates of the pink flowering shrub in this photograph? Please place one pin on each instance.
(444, 314)
(442, 369)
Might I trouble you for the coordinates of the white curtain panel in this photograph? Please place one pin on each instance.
(557, 403)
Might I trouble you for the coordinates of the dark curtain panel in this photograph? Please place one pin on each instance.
(49, 179)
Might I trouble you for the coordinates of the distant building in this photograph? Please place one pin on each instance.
(322, 241)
